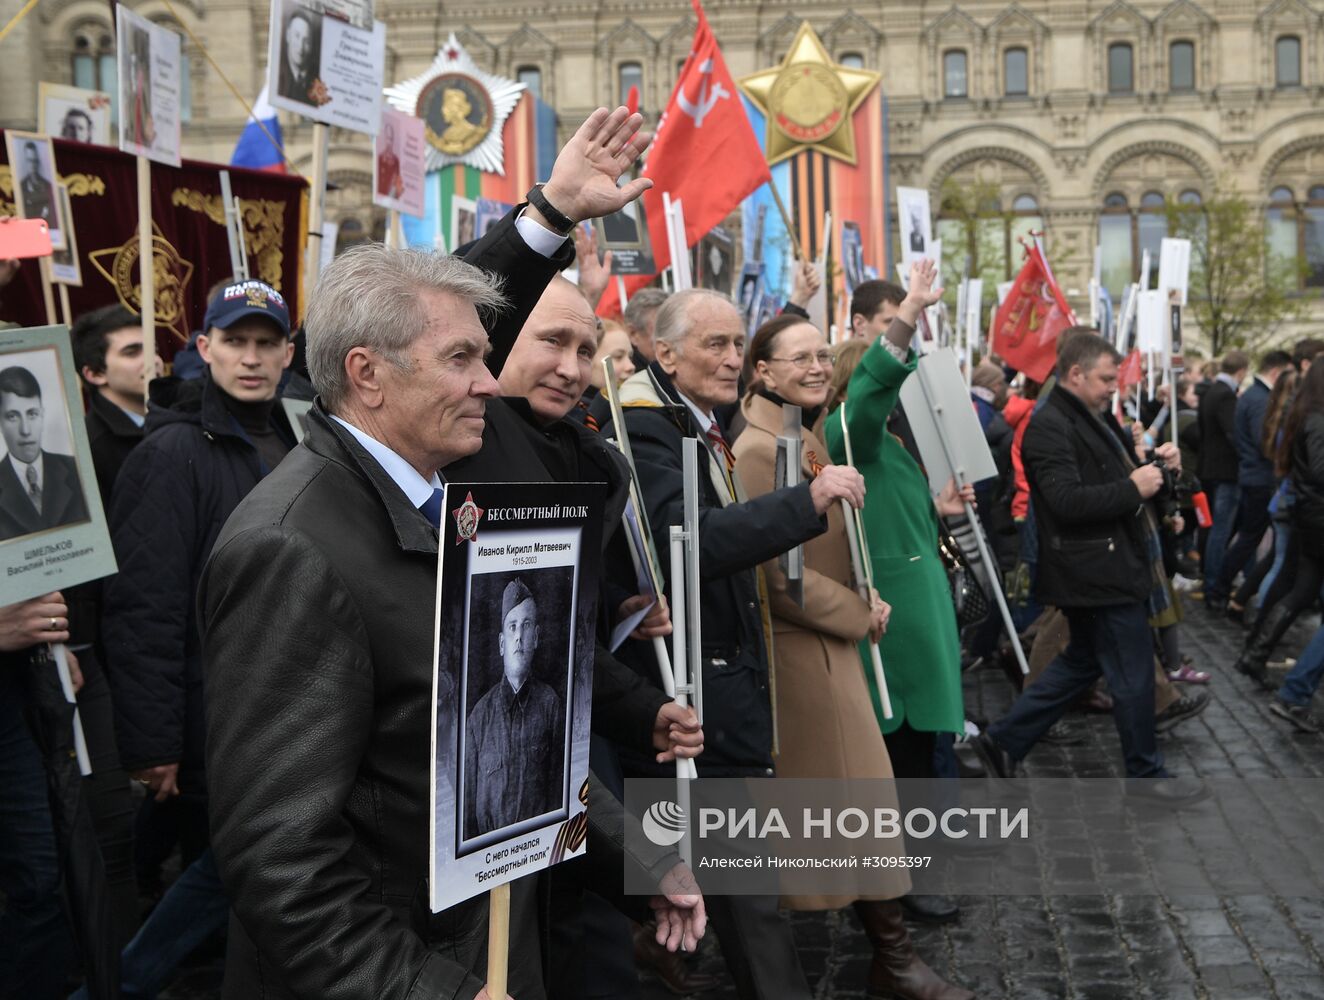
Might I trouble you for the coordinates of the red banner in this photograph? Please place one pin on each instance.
(190, 249)
(1028, 323)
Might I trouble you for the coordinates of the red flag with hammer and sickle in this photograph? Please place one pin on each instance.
(705, 154)
(1028, 323)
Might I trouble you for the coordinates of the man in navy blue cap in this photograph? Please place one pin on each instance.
(207, 442)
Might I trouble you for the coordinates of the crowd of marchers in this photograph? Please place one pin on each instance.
(256, 680)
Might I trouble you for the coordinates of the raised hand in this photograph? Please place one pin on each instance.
(922, 293)
(583, 181)
(594, 274)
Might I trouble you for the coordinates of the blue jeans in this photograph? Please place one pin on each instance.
(1116, 642)
(35, 946)
(1302, 681)
(1252, 523)
(1282, 537)
(1215, 547)
(191, 911)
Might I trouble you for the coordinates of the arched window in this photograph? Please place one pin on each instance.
(1190, 197)
(1121, 80)
(94, 62)
(1281, 231)
(991, 238)
(1015, 72)
(1181, 66)
(954, 79)
(852, 60)
(629, 74)
(1287, 61)
(1115, 247)
(1312, 236)
(531, 77)
(1151, 227)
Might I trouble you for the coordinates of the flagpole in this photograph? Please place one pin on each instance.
(786, 220)
(146, 270)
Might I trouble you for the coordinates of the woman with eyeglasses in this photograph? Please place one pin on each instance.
(826, 728)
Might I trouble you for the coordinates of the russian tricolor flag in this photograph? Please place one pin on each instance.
(255, 148)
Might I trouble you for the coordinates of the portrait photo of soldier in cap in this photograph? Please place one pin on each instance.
(515, 734)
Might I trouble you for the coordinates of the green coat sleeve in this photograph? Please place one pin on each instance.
(871, 397)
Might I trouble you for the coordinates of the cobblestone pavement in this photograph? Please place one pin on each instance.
(1093, 947)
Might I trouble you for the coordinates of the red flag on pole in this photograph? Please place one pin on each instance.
(705, 154)
(1028, 323)
(1130, 372)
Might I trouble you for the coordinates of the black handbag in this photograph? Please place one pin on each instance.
(968, 597)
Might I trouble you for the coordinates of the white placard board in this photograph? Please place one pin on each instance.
(400, 163)
(149, 71)
(1151, 322)
(1174, 269)
(944, 423)
(324, 68)
(916, 224)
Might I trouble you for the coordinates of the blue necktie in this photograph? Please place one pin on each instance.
(431, 508)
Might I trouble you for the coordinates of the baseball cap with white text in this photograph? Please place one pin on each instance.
(243, 299)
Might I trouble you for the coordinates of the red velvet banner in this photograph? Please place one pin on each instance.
(190, 251)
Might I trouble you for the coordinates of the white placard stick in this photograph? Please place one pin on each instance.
(47, 293)
(316, 203)
(146, 270)
(60, 654)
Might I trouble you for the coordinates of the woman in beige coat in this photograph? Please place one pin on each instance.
(826, 722)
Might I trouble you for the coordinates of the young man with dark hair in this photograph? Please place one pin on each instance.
(108, 350)
(1218, 468)
(873, 307)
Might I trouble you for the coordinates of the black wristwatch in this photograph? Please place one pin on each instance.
(561, 222)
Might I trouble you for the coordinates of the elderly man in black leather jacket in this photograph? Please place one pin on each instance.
(1098, 561)
(317, 612)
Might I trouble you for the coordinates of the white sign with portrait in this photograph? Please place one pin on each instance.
(32, 164)
(400, 164)
(150, 72)
(73, 113)
(915, 220)
(53, 531)
(516, 632)
(325, 68)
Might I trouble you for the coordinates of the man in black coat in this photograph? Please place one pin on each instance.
(699, 338)
(1097, 551)
(317, 609)
(1218, 468)
(108, 350)
(39, 489)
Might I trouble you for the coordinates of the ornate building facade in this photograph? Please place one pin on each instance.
(1085, 114)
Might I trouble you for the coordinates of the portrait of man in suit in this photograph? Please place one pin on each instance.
(35, 187)
(300, 56)
(39, 489)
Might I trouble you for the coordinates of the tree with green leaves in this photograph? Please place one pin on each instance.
(1241, 293)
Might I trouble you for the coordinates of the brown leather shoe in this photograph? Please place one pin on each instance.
(897, 972)
(671, 967)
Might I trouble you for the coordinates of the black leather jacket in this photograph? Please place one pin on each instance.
(1092, 548)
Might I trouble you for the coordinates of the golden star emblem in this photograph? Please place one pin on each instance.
(809, 100)
(118, 265)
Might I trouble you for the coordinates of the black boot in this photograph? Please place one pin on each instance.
(1268, 630)
(896, 970)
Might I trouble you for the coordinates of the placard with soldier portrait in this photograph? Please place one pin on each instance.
(516, 632)
(35, 193)
(53, 531)
(150, 74)
(73, 113)
(325, 68)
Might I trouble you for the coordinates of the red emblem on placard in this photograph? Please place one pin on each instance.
(467, 516)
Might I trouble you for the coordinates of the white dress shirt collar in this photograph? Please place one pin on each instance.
(21, 470)
(404, 475)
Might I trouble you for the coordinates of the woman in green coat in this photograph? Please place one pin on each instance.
(921, 650)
